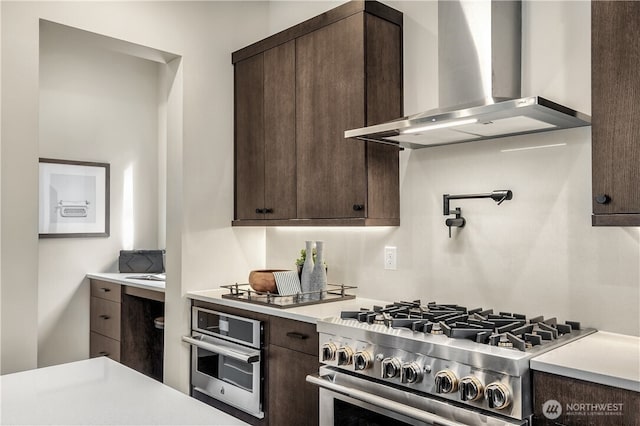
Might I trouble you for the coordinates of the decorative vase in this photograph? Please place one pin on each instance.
(307, 268)
(319, 274)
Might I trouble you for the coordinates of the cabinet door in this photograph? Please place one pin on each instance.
(106, 290)
(249, 138)
(616, 111)
(292, 401)
(384, 103)
(330, 89)
(100, 345)
(280, 132)
(105, 318)
(615, 406)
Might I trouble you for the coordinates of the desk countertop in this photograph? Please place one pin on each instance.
(99, 391)
(124, 279)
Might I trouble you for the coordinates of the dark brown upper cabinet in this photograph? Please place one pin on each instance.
(296, 93)
(615, 90)
(265, 146)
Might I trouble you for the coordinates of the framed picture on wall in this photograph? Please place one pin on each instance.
(73, 199)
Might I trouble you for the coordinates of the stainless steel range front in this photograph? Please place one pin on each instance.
(432, 364)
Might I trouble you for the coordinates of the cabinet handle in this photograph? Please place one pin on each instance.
(103, 353)
(296, 335)
(105, 317)
(268, 210)
(105, 290)
(358, 207)
(603, 199)
(260, 211)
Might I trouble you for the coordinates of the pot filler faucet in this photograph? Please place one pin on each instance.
(498, 196)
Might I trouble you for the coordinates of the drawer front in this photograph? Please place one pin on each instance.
(105, 318)
(106, 290)
(103, 346)
(296, 335)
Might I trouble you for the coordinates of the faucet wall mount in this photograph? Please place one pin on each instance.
(499, 196)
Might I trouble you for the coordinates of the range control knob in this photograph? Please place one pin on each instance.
(345, 355)
(498, 395)
(470, 389)
(411, 372)
(391, 368)
(329, 351)
(362, 360)
(446, 382)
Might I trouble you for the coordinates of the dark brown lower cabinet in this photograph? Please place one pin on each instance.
(292, 401)
(122, 326)
(142, 344)
(559, 400)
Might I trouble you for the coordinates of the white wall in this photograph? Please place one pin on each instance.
(208, 251)
(537, 254)
(95, 105)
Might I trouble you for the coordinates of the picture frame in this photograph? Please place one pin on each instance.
(73, 199)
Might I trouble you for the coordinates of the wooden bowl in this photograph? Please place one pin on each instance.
(263, 280)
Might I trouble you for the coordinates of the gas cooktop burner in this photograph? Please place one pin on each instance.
(504, 329)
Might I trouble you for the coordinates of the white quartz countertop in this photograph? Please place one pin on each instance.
(605, 358)
(125, 279)
(99, 391)
(308, 313)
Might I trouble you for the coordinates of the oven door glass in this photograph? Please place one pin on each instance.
(225, 368)
(347, 414)
(237, 329)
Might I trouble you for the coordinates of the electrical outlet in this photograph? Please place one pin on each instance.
(390, 258)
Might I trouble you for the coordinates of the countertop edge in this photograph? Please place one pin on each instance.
(100, 391)
(587, 376)
(283, 313)
(605, 358)
(112, 278)
(311, 313)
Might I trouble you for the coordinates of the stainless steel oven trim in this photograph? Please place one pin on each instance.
(256, 338)
(424, 409)
(221, 347)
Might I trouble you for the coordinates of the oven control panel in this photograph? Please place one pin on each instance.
(481, 388)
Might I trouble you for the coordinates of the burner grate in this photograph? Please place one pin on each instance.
(504, 329)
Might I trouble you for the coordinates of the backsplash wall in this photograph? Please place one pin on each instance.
(536, 254)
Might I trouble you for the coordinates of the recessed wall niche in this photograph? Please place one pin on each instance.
(111, 101)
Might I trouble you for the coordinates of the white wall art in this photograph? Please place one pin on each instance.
(74, 199)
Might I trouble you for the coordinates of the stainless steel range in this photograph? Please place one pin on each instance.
(435, 364)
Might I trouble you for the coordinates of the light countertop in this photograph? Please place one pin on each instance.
(123, 279)
(605, 358)
(308, 313)
(99, 391)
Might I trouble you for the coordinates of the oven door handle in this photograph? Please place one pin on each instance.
(247, 357)
(326, 382)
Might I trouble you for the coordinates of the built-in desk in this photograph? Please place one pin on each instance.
(124, 322)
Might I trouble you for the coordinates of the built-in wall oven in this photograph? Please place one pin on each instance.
(227, 359)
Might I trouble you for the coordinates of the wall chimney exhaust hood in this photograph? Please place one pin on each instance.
(479, 56)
